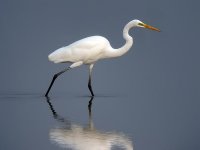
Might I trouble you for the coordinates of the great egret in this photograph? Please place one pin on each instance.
(91, 49)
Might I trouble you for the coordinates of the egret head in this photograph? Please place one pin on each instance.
(139, 23)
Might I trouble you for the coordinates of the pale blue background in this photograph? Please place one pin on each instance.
(152, 93)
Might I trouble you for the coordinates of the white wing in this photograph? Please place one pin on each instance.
(87, 50)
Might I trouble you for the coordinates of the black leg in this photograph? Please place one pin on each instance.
(90, 86)
(54, 78)
(89, 81)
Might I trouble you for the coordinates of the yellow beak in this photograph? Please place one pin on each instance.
(150, 27)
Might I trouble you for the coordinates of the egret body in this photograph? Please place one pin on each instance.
(91, 49)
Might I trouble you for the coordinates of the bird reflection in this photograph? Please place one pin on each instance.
(78, 137)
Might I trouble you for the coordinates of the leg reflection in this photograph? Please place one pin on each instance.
(90, 105)
(75, 136)
(55, 115)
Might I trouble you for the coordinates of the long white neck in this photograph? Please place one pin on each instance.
(129, 41)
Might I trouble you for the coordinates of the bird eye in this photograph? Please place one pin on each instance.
(141, 24)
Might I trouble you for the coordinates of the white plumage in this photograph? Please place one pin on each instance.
(91, 49)
(87, 50)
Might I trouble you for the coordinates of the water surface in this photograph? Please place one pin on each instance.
(31, 121)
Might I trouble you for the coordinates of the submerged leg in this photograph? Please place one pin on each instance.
(76, 64)
(89, 81)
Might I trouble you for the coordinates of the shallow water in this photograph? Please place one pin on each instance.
(31, 121)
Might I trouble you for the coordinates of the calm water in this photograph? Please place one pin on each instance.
(31, 121)
(150, 97)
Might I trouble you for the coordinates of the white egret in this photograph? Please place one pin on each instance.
(91, 49)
